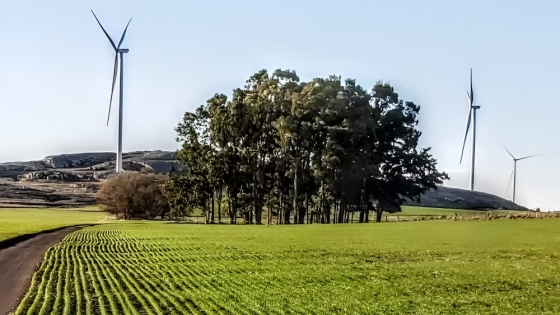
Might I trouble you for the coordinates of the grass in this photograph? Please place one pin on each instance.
(407, 211)
(425, 211)
(14, 222)
(436, 267)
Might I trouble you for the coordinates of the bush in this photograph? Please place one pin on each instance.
(134, 195)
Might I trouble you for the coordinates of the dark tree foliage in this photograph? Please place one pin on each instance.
(314, 152)
(134, 195)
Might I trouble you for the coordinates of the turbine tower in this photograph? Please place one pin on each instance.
(472, 114)
(514, 171)
(119, 52)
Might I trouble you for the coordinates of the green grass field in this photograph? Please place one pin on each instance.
(408, 213)
(14, 222)
(436, 267)
(425, 211)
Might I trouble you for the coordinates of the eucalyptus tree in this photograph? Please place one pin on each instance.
(405, 171)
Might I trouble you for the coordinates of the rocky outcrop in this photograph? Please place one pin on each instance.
(76, 160)
(89, 166)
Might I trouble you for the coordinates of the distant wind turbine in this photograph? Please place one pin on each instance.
(514, 171)
(118, 52)
(472, 113)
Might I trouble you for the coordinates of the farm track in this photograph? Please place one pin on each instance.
(19, 261)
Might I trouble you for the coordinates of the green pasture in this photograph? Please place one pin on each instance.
(18, 221)
(425, 211)
(432, 267)
(408, 213)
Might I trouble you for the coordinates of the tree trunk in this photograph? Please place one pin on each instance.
(378, 214)
(230, 208)
(342, 210)
(220, 190)
(212, 218)
(307, 207)
(206, 211)
(334, 211)
(301, 216)
(363, 201)
(280, 211)
(259, 191)
(294, 207)
(269, 215)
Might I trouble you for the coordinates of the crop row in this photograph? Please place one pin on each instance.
(165, 269)
(112, 272)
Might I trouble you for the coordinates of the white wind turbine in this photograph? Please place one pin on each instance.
(472, 114)
(514, 171)
(118, 52)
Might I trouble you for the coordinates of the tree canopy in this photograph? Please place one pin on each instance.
(312, 152)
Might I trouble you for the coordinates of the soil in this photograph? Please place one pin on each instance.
(18, 263)
(43, 193)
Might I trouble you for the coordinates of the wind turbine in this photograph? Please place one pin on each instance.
(472, 114)
(118, 52)
(514, 172)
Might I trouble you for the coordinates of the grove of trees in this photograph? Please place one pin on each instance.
(303, 152)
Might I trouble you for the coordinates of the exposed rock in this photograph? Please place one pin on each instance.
(89, 166)
(76, 160)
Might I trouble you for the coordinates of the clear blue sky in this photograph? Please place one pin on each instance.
(56, 68)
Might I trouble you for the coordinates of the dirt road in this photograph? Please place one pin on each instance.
(19, 262)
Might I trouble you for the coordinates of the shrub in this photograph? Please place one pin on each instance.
(134, 195)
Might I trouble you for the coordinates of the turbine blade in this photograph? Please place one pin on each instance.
(466, 133)
(469, 100)
(530, 156)
(506, 149)
(123, 34)
(472, 93)
(113, 86)
(108, 37)
(509, 182)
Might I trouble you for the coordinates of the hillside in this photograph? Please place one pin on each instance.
(455, 198)
(69, 180)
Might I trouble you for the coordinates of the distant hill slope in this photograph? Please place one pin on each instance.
(71, 180)
(88, 166)
(455, 198)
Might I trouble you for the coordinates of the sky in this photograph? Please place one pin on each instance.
(56, 72)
